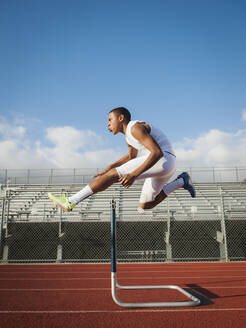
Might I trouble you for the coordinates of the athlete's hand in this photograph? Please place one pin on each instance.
(101, 173)
(127, 180)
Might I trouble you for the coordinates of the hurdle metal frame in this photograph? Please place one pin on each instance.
(114, 284)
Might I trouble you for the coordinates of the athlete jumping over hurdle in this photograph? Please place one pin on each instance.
(150, 157)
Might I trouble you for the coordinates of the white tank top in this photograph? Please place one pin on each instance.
(159, 137)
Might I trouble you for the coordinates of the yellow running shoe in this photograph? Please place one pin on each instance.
(62, 201)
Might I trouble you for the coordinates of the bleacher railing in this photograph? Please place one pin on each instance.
(78, 176)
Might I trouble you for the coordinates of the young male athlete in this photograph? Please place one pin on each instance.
(150, 156)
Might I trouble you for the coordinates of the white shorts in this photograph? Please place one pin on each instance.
(156, 177)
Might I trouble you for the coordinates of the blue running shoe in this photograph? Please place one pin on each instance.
(188, 184)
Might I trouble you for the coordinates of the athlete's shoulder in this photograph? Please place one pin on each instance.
(140, 128)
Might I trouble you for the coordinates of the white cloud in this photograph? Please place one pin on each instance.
(68, 157)
(214, 148)
(19, 155)
(244, 115)
(69, 147)
(69, 137)
(8, 130)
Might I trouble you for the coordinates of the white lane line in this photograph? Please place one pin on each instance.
(126, 277)
(49, 289)
(105, 288)
(122, 271)
(119, 311)
(95, 289)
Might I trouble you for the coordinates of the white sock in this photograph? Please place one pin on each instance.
(81, 195)
(174, 185)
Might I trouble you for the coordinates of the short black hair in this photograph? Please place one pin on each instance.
(122, 110)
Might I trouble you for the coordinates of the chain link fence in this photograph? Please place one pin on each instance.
(32, 230)
(236, 239)
(165, 239)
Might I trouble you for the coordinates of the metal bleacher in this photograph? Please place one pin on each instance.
(30, 203)
(210, 227)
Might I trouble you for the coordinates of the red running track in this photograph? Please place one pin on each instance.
(79, 295)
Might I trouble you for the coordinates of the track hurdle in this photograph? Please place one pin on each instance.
(114, 284)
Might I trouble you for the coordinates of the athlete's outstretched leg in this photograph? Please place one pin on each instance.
(99, 184)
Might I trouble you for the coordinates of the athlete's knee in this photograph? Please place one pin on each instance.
(152, 203)
(113, 173)
(142, 205)
(147, 206)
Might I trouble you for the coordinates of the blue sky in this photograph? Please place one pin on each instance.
(179, 64)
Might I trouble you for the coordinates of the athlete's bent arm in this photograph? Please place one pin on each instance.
(141, 133)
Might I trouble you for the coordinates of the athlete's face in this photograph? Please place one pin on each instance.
(114, 122)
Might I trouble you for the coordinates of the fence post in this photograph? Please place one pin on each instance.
(60, 223)
(5, 251)
(6, 177)
(59, 246)
(28, 176)
(223, 227)
(8, 208)
(1, 222)
(51, 175)
(237, 178)
(74, 175)
(167, 235)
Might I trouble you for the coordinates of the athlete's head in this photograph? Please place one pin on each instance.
(117, 117)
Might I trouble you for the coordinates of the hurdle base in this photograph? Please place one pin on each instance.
(114, 285)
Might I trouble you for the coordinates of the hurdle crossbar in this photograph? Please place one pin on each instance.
(114, 284)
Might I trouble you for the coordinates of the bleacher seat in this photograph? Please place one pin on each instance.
(31, 202)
